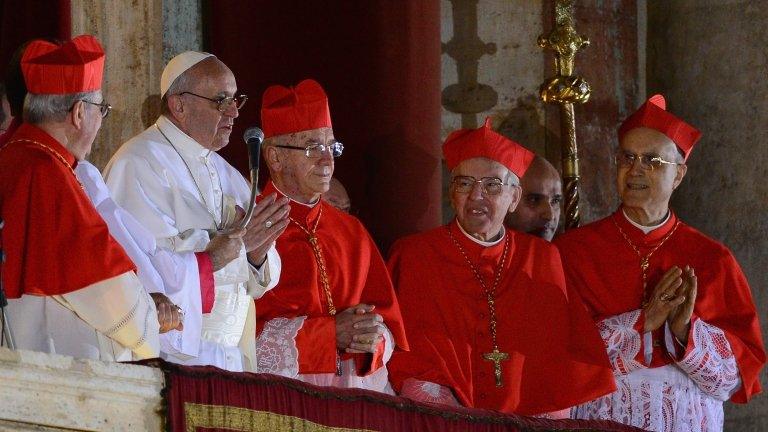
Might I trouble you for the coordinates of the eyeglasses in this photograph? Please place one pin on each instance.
(224, 102)
(104, 107)
(314, 150)
(648, 162)
(489, 185)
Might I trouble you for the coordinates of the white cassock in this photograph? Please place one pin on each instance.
(181, 193)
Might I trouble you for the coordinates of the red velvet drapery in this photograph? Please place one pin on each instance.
(22, 20)
(379, 62)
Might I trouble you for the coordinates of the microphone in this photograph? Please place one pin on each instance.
(253, 138)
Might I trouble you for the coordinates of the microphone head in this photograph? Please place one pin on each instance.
(253, 133)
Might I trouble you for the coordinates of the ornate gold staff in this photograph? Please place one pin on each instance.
(566, 89)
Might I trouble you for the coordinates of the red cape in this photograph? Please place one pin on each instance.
(54, 239)
(557, 357)
(356, 272)
(602, 267)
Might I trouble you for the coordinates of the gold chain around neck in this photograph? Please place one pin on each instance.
(490, 294)
(319, 258)
(51, 151)
(644, 260)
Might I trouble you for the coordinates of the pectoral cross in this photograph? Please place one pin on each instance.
(497, 357)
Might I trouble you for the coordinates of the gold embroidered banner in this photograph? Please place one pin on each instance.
(207, 399)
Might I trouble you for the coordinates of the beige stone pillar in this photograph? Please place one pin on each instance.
(132, 35)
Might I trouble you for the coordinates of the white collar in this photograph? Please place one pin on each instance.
(480, 242)
(181, 141)
(310, 205)
(643, 228)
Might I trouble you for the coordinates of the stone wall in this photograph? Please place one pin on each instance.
(49, 392)
(708, 57)
(492, 66)
(139, 40)
(133, 41)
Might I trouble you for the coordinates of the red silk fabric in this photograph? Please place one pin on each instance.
(653, 114)
(556, 356)
(603, 268)
(72, 67)
(484, 142)
(356, 273)
(54, 239)
(292, 109)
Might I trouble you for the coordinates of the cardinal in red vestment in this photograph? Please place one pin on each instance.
(72, 288)
(489, 319)
(672, 305)
(333, 318)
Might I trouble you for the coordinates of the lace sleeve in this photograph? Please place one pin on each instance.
(622, 341)
(426, 391)
(276, 350)
(710, 362)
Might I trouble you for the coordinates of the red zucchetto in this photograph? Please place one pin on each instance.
(288, 110)
(484, 142)
(72, 67)
(653, 114)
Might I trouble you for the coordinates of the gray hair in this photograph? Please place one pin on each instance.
(39, 108)
(181, 84)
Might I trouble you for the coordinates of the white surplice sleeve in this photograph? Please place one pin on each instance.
(708, 359)
(623, 341)
(121, 310)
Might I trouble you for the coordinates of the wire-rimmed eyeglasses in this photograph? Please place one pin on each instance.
(648, 162)
(315, 150)
(104, 107)
(223, 102)
(489, 185)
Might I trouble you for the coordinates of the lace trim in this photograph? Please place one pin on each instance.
(276, 350)
(667, 402)
(126, 319)
(143, 337)
(622, 341)
(427, 391)
(711, 363)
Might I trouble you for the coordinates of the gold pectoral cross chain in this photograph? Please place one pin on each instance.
(494, 356)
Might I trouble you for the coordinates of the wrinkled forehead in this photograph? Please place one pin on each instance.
(321, 136)
(648, 141)
(213, 77)
(480, 167)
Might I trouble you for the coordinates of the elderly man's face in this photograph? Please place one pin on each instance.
(539, 210)
(82, 142)
(204, 122)
(482, 214)
(301, 177)
(644, 190)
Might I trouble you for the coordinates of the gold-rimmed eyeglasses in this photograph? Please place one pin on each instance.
(648, 162)
(489, 185)
(223, 102)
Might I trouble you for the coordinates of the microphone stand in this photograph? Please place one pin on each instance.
(6, 335)
(254, 150)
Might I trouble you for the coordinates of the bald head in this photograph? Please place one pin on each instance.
(539, 210)
(337, 196)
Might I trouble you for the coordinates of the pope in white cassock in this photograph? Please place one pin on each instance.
(173, 182)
